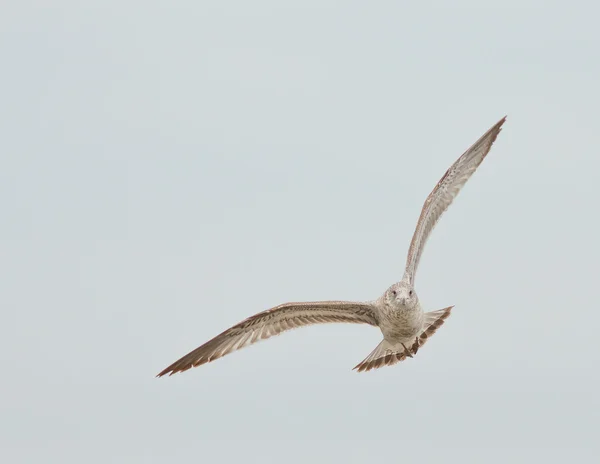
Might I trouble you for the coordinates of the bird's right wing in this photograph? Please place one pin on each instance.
(273, 322)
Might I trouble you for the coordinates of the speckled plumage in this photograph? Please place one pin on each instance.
(398, 313)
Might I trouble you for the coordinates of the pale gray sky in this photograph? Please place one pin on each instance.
(170, 168)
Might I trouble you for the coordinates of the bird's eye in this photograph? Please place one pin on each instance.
(394, 292)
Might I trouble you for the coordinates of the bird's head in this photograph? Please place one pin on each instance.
(401, 295)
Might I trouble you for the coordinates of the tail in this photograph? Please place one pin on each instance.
(387, 354)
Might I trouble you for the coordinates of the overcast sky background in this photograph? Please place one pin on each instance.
(170, 168)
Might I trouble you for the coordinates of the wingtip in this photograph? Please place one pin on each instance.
(358, 368)
(494, 131)
(168, 371)
(502, 121)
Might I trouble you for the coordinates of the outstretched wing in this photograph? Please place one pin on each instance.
(444, 192)
(272, 322)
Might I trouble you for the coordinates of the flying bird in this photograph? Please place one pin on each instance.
(397, 313)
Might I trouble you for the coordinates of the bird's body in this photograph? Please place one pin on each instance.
(397, 313)
(400, 319)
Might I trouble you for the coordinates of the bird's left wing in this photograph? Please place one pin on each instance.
(273, 322)
(444, 193)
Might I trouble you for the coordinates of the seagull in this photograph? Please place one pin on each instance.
(397, 313)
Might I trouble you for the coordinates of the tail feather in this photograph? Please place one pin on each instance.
(433, 321)
(387, 354)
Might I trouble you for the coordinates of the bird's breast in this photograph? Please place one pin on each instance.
(402, 324)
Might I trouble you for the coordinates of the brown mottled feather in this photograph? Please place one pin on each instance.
(436, 320)
(273, 322)
(445, 191)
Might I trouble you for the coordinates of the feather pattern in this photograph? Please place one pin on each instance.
(386, 354)
(444, 193)
(273, 322)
